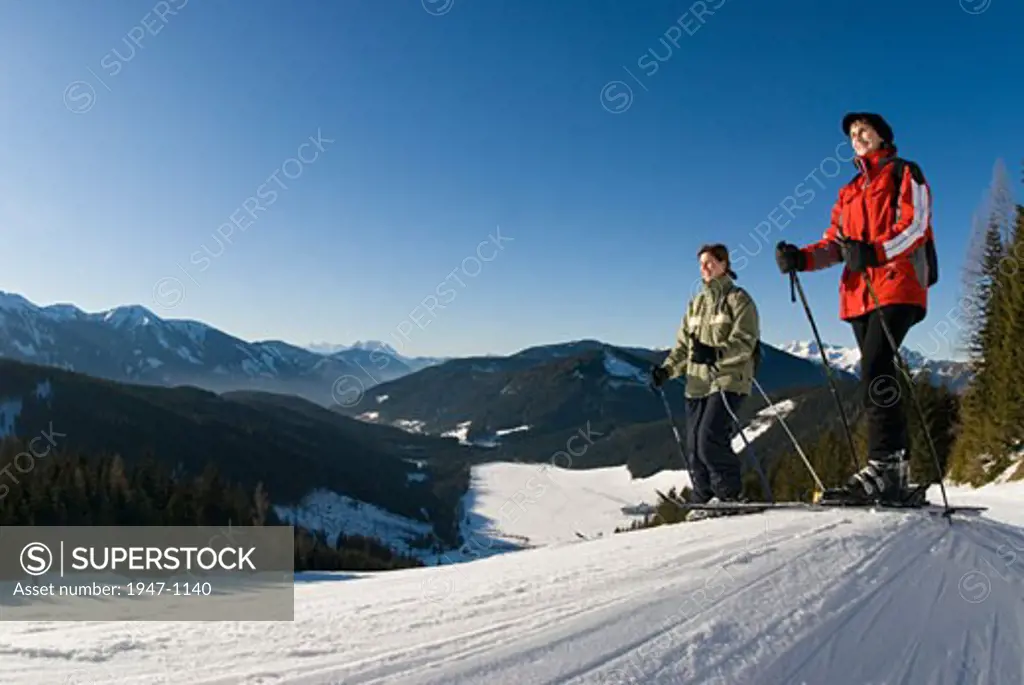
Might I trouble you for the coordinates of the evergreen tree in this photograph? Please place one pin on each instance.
(993, 406)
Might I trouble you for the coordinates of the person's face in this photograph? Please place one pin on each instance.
(710, 268)
(864, 138)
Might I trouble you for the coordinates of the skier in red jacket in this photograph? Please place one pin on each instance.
(881, 229)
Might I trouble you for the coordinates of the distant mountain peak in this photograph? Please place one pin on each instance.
(130, 315)
(952, 374)
(374, 346)
(16, 303)
(63, 312)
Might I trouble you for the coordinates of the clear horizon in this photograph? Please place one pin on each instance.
(485, 176)
(396, 341)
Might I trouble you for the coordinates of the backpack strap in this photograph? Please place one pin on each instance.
(898, 164)
(931, 258)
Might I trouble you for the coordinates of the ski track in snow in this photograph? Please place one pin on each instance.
(784, 598)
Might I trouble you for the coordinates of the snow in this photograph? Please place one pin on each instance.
(542, 504)
(324, 348)
(374, 346)
(409, 425)
(1003, 497)
(62, 312)
(130, 315)
(762, 421)
(369, 416)
(12, 302)
(187, 355)
(783, 598)
(195, 330)
(507, 431)
(381, 398)
(10, 409)
(619, 368)
(27, 350)
(845, 358)
(44, 390)
(334, 514)
(460, 432)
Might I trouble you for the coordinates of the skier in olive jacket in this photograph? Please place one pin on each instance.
(715, 346)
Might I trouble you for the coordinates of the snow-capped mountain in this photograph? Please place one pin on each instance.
(845, 358)
(952, 374)
(333, 349)
(133, 344)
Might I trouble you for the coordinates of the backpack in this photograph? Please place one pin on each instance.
(931, 257)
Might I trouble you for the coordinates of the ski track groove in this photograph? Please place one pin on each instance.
(549, 613)
(481, 645)
(646, 625)
(706, 672)
(863, 601)
(605, 659)
(426, 661)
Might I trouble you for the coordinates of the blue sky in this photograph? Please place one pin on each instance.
(423, 135)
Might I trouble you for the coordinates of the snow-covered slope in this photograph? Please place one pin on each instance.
(334, 514)
(785, 598)
(511, 506)
(541, 504)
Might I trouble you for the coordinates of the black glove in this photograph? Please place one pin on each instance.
(790, 258)
(858, 254)
(701, 353)
(659, 375)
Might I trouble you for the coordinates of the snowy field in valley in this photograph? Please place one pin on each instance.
(540, 504)
(827, 597)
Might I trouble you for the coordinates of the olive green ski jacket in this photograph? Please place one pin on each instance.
(723, 316)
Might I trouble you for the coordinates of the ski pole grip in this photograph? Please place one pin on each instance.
(792, 287)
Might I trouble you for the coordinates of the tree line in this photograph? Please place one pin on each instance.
(69, 488)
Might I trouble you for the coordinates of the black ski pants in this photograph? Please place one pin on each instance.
(714, 467)
(880, 378)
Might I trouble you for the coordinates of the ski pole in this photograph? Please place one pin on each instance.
(675, 430)
(743, 436)
(796, 444)
(904, 370)
(795, 282)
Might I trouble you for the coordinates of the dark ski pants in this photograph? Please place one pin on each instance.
(880, 378)
(714, 467)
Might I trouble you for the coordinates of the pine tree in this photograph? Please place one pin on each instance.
(1013, 326)
(993, 406)
(996, 213)
(979, 433)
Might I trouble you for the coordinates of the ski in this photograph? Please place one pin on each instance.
(821, 505)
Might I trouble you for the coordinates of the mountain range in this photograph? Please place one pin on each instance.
(275, 412)
(133, 344)
(954, 375)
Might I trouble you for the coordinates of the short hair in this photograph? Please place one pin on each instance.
(719, 252)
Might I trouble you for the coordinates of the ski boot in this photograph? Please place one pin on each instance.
(884, 481)
(701, 514)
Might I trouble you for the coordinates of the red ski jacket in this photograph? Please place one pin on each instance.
(899, 228)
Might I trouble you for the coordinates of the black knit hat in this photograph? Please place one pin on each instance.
(874, 120)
